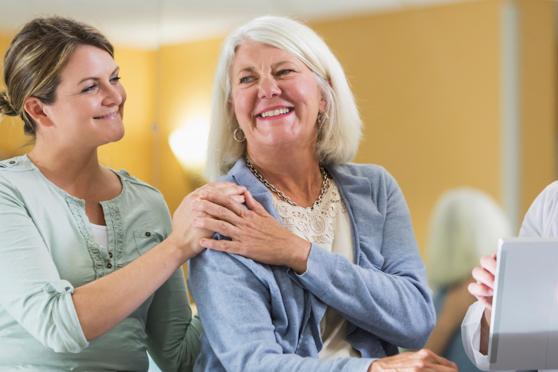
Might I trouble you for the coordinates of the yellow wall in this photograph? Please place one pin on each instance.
(185, 73)
(538, 98)
(135, 152)
(427, 84)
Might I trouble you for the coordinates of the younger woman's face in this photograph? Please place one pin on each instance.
(89, 101)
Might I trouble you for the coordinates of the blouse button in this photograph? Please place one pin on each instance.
(109, 265)
(148, 234)
(110, 254)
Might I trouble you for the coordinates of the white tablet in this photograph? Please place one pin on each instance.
(524, 332)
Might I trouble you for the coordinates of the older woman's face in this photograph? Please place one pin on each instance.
(275, 97)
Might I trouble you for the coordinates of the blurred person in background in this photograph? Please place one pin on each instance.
(466, 224)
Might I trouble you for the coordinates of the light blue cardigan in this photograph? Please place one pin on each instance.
(259, 317)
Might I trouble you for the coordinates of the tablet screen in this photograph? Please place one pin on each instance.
(524, 332)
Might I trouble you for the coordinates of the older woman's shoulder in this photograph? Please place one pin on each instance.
(381, 182)
(370, 171)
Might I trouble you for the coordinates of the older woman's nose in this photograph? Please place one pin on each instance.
(268, 88)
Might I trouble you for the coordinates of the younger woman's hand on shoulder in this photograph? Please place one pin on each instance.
(254, 233)
(187, 236)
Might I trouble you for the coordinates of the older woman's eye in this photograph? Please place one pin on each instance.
(246, 79)
(284, 71)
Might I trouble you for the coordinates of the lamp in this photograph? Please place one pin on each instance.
(189, 144)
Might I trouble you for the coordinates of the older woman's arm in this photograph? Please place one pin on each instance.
(234, 305)
(393, 300)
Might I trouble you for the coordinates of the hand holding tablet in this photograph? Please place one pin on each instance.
(520, 286)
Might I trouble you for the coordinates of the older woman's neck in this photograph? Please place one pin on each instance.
(295, 173)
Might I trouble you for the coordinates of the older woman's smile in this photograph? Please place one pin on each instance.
(274, 113)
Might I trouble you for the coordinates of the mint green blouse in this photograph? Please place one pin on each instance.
(47, 250)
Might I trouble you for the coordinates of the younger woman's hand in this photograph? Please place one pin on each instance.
(254, 233)
(187, 236)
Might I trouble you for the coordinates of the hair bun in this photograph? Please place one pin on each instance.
(6, 107)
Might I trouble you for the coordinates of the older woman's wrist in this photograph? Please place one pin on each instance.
(298, 257)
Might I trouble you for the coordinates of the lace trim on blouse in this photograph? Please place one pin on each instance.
(316, 225)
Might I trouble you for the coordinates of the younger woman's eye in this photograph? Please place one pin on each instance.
(89, 88)
(115, 79)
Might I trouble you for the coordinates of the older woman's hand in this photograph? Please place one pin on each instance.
(184, 234)
(422, 360)
(254, 233)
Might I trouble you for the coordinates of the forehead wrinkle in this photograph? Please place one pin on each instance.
(273, 67)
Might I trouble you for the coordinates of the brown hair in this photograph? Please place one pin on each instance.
(36, 56)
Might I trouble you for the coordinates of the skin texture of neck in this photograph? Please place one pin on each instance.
(76, 171)
(295, 172)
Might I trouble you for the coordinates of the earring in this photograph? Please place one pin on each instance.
(238, 135)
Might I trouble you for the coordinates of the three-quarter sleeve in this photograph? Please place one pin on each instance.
(31, 289)
(173, 333)
(470, 336)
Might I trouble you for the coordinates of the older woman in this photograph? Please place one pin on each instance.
(90, 265)
(334, 281)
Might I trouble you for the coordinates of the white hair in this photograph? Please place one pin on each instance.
(338, 137)
(466, 224)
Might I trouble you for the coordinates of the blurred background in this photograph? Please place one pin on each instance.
(452, 93)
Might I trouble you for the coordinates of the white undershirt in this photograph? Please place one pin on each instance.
(327, 225)
(100, 234)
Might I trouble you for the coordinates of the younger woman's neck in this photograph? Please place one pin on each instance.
(72, 170)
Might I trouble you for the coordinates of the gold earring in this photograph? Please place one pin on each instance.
(238, 135)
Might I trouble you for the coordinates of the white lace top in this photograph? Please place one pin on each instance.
(327, 225)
